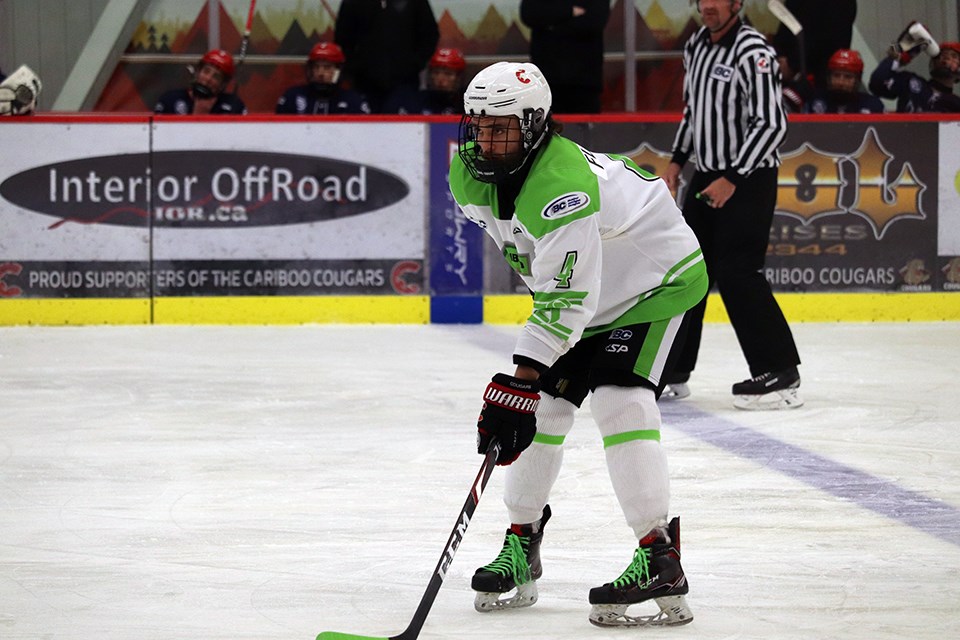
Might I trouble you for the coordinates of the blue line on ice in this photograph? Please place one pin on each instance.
(881, 496)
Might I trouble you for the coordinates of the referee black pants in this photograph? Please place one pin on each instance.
(734, 241)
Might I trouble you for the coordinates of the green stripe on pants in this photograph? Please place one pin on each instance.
(651, 348)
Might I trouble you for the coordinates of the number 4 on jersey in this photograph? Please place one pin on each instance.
(566, 272)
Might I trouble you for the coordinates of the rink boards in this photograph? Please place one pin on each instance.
(267, 220)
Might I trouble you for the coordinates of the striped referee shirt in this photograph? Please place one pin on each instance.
(733, 118)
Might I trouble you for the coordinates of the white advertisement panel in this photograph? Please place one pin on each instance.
(288, 207)
(74, 191)
(289, 190)
(194, 208)
(74, 209)
(948, 234)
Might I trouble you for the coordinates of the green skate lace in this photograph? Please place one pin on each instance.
(512, 560)
(639, 568)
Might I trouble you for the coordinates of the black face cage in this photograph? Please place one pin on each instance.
(493, 169)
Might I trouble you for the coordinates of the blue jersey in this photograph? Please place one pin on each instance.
(178, 102)
(914, 94)
(307, 100)
(825, 102)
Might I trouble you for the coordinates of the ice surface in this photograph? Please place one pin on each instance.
(273, 482)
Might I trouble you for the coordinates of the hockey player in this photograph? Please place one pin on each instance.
(610, 287)
(206, 95)
(842, 93)
(444, 92)
(19, 92)
(443, 95)
(322, 94)
(915, 94)
(796, 87)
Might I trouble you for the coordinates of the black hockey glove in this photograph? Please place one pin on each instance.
(509, 415)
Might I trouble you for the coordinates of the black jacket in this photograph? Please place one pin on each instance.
(387, 42)
(827, 26)
(568, 50)
(178, 102)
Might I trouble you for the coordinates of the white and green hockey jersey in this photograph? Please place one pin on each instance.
(600, 243)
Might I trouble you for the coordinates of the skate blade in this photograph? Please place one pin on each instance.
(525, 595)
(673, 612)
(775, 400)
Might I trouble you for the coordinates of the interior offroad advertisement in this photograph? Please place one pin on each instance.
(187, 209)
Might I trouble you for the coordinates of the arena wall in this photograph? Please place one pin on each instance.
(272, 220)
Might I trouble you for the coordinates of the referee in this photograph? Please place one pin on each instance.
(733, 122)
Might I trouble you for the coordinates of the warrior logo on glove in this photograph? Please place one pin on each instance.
(509, 415)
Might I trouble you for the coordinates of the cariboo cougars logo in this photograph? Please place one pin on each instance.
(195, 189)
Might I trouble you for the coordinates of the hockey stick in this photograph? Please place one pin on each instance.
(331, 12)
(245, 42)
(453, 543)
(233, 85)
(778, 9)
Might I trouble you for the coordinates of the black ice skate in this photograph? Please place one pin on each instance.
(770, 390)
(655, 574)
(517, 567)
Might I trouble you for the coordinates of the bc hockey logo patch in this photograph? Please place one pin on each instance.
(565, 205)
(763, 65)
(721, 72)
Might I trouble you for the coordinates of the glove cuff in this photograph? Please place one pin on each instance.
(513, 393)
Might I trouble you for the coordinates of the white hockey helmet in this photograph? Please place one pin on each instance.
(19, 92)
(504, 89)
(508, 89)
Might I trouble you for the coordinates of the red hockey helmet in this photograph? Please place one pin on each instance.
(940, 67)
(326, 52)
(448, 58)
(219, 59)
(846, 60)
(953, 46)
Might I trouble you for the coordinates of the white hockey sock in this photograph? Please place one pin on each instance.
(530, 478)
(629, 421)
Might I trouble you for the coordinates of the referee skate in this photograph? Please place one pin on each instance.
(770, 390)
